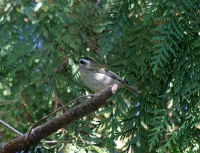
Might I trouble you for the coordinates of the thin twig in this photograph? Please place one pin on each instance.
(84, 140)
(11, 128)
(54, 113)
(47, 141)
(57, 99)
(17, 132)
(56, 105)
(61, 104)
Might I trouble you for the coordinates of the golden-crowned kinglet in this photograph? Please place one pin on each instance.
(96, 77)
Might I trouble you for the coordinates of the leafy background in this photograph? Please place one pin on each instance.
(152, 44)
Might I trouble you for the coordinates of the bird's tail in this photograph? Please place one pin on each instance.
(132, 89)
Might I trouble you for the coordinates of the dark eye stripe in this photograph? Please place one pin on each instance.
(82, 62)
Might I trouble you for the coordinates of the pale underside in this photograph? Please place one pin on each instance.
(99, 82)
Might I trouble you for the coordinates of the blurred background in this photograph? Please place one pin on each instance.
(152, 44)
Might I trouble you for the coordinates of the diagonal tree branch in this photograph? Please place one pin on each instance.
(53, 113)
(59, 122)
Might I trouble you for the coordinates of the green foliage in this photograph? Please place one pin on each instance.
(152, 44)
(157, 44)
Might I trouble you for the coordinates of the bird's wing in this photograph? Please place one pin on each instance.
(109, 73)
(114, 76)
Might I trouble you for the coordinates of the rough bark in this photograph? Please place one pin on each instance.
(59, 122)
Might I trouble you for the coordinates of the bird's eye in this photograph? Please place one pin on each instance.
(82, 62)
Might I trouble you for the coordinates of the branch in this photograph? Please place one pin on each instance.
(10, 127)
(57, 99)
(95, 48)
(59, 122)
(54, 113)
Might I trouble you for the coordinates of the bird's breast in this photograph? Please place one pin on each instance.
(96, 81)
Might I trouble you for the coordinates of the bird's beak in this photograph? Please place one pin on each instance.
(76, 62)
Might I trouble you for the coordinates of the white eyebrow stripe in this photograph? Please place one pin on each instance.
(86, 61)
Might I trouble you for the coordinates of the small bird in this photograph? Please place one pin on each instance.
(96, 77)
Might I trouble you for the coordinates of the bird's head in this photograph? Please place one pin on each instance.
(87, 62)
